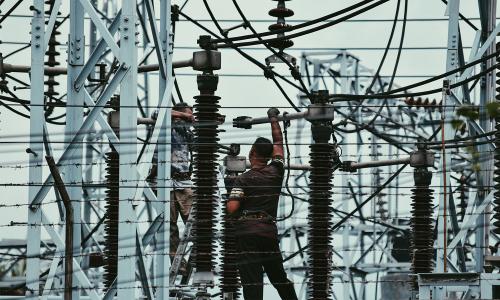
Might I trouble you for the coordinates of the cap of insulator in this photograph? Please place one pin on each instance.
(52, 52)
(51, 93)
(51, 81)
(278, 26)
(281, 12)
(281, 44)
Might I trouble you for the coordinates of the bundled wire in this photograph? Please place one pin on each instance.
(305, 32)
(292, 28)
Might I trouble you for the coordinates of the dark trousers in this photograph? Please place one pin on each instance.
(257, 255)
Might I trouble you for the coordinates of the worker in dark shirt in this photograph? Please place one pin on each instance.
(253, 202)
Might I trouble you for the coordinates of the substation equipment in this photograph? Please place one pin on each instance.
(428, 233)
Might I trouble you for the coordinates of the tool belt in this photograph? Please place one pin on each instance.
(255, 215)
(181, 176)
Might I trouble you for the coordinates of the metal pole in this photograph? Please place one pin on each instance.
(89, 152)
(447, 134)
(346, 277)
(145, 101)
(487, 12)
(68, 252)
(164, 150)
(128, 154)
(74, 119)
(37, 120)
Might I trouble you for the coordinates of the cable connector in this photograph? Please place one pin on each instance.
(346, 166)
(446, 87)
(295, 73)
(205, 42)
(175, 12)
(286, 122)
(268, 72)
(242, 122)
(422, 158)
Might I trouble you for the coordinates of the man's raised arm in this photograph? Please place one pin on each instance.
(278, 151)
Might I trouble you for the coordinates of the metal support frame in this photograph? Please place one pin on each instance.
(164, 51)
(447, 134)
(339, 71)
(77, 129)
(36, 145)
(126, 286)
(74, 119)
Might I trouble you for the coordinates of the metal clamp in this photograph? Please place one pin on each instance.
(422, 158)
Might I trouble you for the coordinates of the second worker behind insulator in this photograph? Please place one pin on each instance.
(253, 203)
(180, 172)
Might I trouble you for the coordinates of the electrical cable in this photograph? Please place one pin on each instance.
(292, 28)
(288, 156)
(396, 64)
(245, 55)
(14, 110)
(276, 53)
(388, 95)
(10, 10)
(446, 74)
(400, 48)
(347, 97)
(248, 57)
(287, 187)
(464, 18)
(384, 55)
(305, 32)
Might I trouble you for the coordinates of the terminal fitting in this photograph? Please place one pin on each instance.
(320, 110)
(175, 12)
(235, 164)
(207, 83)
(422, 158)
(205, 42)
(243, 122)
(348, 166)
(206, 61)
(320, 114)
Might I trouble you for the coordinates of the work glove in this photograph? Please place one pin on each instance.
(273, 112)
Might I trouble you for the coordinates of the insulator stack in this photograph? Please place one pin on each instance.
(380, 203)
(323, 155)
(496, 195)
(380, 209)
(463, 188)
(229, 276)
(421, 224)
(205, 170)
(320, 214)
(423, 103)
(52, 54)
(111, 222)
(280, 12)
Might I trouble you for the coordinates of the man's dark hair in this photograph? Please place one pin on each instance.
(263, 147)
(181, 106)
